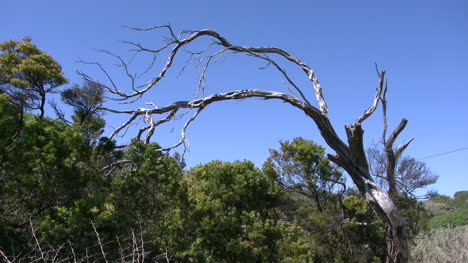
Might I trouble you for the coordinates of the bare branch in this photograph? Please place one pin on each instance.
(113, 90)
(59, 112)
(285, 75)
(124, 65)
(168, 27)
(396, 132)
(142, 245)
(4, 257)
(183, 133)
(99, 242)
(383, 100)
(57, 253)
(177, 43)
(154, 124)
(121, 253)
(134, 247)
(72, 251)
(322, 121)
(37, 241)
(129, 121)
(372, 108)
(401, 148)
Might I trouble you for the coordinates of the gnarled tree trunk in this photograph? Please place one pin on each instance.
(355, 163)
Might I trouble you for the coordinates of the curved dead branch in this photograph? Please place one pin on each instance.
(322, 121)
(177, 42)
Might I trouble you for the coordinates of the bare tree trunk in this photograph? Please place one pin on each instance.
(42, 105)
(391, 163)
(356, 165)
(391, 154)
(352, 158)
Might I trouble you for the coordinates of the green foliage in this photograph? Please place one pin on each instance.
(50, 174)
(460, 199)
(409, 175)
(441, 245)
(444, 199)
(27, 73)
(10, 121)
(414, 213)
(301, 166)
(458, 217)
(232, 214)
(66, 178)
(40, 170)
(435, 208)
(447, 212)
(296, 246)
(143, 190)
(85, 100)
(355, 206)
(339, 229)
(73, 222)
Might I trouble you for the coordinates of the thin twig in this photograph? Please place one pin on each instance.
(37, 241)
(99, 241)
(72, 251)
(4, 257)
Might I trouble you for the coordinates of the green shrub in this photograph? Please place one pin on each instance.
(436, 208)
(456, 218)
(460, 199)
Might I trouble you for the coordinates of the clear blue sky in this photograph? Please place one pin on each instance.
(423, 46)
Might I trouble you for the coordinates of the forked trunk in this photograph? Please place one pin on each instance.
(354, 161)
(385, 209)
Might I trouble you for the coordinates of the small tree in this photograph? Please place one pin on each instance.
(350, 155)
(86, 101)
(406, 177)
(397, 174)
(301, 166)
(28, 74)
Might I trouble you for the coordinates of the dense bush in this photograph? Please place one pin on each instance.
(455, 218)
(436, 208)
(67, 193)
(460, 199)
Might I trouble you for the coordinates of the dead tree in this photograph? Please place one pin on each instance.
(391, 154)
(349, 154)
(400, 175)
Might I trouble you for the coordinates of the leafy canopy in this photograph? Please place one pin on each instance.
(27, 73)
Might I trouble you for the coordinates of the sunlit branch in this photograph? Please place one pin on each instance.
(177, 42)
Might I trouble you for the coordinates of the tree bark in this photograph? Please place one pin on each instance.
(41, 106)
(353, 159)
(355, 163)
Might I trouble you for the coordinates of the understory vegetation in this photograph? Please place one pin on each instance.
(441, 245)
(68, 194)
